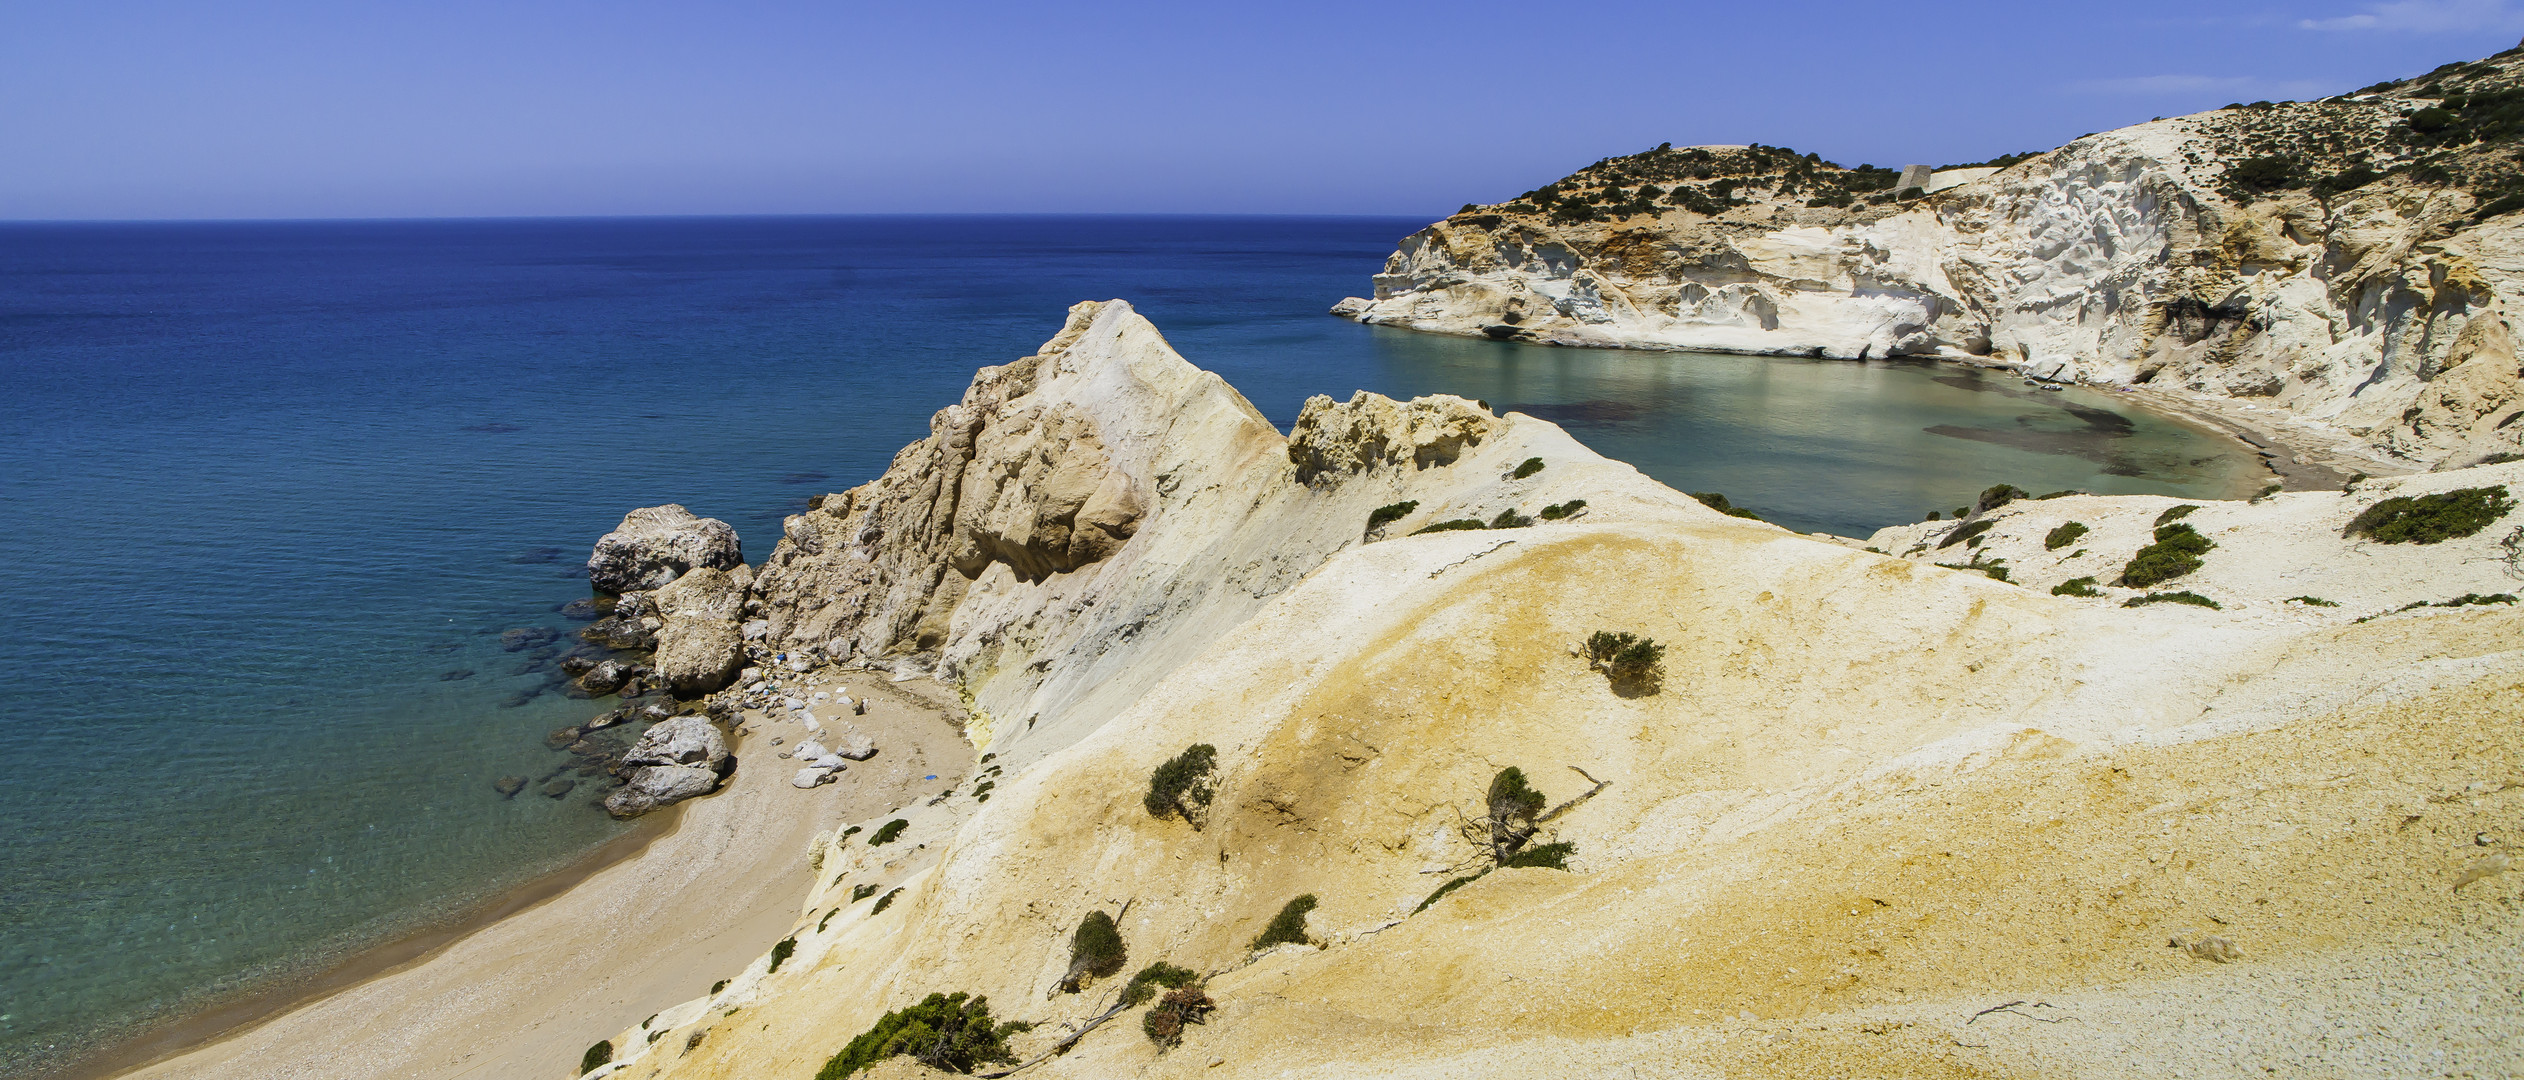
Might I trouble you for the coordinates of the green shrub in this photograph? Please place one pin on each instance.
(1557, 511)
(1995, 569)
(597, 1057)
(2176, 552)
(2311, 601)
(947, 1032)
(2175, 513)
(2431, 519)
(2063, 536)
(1164, 1024)
(890, 830)
(851, 831)
(1457, 525)
(861, 892)
(1289, 926)
(2057, 495)
(1531, 466)
(2084, 586)
(884, 902)
(1184, 785)
(1962, 512)
(2183, 597)
(781, 952)
(1144, 985)
(1970, 530)
(1623, 656)
(2468, 599)
(1934, 516)
(1390, 513)
(1719, 503)
(822, 924)
(1510, 519)
(1999, 495)
(1095, 951)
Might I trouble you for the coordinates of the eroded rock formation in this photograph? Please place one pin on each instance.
(2353, 261)
(656, 544)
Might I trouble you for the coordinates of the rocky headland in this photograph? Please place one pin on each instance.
(1423, 740)
(2349, 264)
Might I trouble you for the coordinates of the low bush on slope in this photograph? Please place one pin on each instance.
(2431, 519)
(1184, 785)
(2176, 552)
(947, 1032)
(1095, 951)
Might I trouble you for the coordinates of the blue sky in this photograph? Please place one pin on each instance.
(114, 109)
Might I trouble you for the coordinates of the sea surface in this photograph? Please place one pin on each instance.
(274, 490)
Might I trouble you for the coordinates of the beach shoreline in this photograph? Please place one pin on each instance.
(241, 1015)
(534, 976)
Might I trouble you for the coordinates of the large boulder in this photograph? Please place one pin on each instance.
(655, 786)
(700, 646)
(654, 545)
(698, 656)
(684, 740)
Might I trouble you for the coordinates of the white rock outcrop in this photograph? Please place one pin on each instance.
(656, 544)
(2384, 315)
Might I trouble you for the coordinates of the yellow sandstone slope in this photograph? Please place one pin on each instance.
(1867, 802)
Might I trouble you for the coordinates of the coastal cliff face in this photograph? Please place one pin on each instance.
(1862, 813)
(2354, 261)
(1088, 518)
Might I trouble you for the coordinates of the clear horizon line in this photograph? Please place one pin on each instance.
(454, 218)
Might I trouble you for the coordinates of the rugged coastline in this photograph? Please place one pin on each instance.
(2347, 261)
(1846, 804)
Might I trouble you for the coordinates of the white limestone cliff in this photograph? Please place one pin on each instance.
(1866, 802)
(2385, 314)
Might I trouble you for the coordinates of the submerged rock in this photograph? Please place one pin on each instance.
(605, 678)
(655, 545)
(523, 638)
(584, 609)
(558, 788)
(509, 786)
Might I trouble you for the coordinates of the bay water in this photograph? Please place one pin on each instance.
(275, 490)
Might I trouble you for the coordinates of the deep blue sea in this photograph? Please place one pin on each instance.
(275, 485)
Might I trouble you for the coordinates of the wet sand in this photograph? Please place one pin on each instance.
(579, 956)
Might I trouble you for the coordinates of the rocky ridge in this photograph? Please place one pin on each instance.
(1869, 816)
(2352, 261)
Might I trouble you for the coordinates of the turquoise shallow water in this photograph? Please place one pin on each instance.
(272, 484)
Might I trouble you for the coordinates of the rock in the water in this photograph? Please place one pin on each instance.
(684, 740)
(617, 632)
(509, 786)
(584, 609)
(558, 788)
(523, 638)
(657, 544)
(575, 666)
(655, 786)
(605, 678)
(561, 739)
(452, 676)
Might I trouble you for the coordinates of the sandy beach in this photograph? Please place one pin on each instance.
(526, 994)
